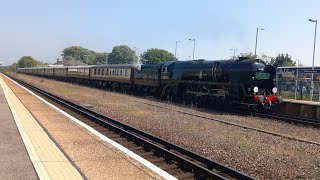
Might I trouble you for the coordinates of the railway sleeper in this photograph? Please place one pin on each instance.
(107, 132)
(156, 160)
(93, 125)
(115, 137)
(120, 139)
(128, 143)
(147, 154)
(187, 175)
(167, 167)
(137, 148)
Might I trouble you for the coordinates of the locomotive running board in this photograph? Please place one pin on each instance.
(207, 94)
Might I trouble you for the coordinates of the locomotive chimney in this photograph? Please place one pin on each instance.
(243, 58)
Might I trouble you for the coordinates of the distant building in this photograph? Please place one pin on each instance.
(58, 62)
(69, 63)
(73, 63)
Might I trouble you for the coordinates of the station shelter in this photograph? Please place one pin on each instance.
(298, 82)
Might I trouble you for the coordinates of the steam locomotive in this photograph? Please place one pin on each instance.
(246, 82)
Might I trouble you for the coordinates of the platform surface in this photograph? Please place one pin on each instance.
(14, 162)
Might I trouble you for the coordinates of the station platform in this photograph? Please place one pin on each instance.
(14, 162)
(40, 142)
(300, 108)
(302, 102)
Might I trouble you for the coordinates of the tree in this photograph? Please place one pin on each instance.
(249, 55)
(122, 54)
(101, 58)
(79, 53)
(282, 61)
(27, 61)
(155, 55)
(11, 68)
(265, 58)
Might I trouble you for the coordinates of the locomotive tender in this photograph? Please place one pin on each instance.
(248, 82)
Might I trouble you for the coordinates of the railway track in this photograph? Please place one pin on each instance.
(172, 158)
(290, 119)
(279, 117)
(234, 124)
(276, 116)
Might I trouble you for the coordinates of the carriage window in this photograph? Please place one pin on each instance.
(164, 69)
(95, 72)
(126, 72)
(120, 72)
(98, 71)
(113, 72)
(107, 73)
(102, 72)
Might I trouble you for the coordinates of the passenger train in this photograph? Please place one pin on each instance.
(246, 82)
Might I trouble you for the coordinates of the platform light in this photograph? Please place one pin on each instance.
(314, 49)
(255, 49)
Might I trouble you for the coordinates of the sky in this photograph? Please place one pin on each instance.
(43, 28)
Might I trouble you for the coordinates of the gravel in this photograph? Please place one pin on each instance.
(258, 154)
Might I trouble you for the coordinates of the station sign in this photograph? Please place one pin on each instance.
(308, 71)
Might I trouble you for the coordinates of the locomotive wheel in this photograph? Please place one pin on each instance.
(169, 95)
(186, 98)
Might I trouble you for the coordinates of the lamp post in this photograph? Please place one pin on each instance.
(234, 52)
(194, 46)
(255, 50)
(314, 48)
(137, 52)
(175, 52)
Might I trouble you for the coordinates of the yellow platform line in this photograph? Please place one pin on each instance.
(47, 159)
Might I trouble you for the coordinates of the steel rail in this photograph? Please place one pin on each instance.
(291, 119)
(281, 117)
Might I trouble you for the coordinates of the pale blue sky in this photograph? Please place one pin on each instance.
(42, 29)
